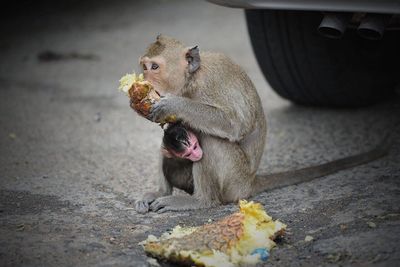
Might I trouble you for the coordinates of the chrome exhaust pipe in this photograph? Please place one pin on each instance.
(372, 27)
(333, 25)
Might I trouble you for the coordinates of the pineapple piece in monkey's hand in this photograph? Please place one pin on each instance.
(142, 94)
(243, 238)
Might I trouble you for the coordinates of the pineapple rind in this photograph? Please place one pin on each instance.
(258, 231)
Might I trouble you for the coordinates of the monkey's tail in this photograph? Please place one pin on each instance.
(278, 180)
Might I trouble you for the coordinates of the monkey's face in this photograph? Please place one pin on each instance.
(165, 65)
(181, 143)
(166, 77)
(153, 69)
(192, 151)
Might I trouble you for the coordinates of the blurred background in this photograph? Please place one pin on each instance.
(74, 156)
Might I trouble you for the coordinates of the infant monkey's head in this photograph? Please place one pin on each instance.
(181, 143)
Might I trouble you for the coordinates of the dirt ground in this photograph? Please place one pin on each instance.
(74, 157)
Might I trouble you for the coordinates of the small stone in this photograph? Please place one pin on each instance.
(308, 238)
(152, 262)
(343, 227)
(371, 224)
(97, 117)
(12, 135)
(333, 258)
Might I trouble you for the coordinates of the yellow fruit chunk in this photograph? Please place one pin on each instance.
(142, 94)
(126, 82)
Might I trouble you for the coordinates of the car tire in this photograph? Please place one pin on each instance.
(310, 69)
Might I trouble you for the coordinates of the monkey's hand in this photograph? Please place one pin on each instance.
(175, 203)
(208, 118)
(165, 110)
(143, 205)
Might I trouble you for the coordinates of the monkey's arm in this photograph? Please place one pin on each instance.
(207, 118)
(205, 195)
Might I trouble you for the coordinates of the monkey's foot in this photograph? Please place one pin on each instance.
(142, 206)
(175, 203)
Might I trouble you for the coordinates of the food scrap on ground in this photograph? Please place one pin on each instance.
(243, 238)
(308, 238)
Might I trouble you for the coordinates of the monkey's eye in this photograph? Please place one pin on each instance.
(154, 66)
(144, 67)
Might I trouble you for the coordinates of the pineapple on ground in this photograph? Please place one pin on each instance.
(242, 238)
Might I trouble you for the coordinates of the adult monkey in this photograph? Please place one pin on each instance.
(216, 99)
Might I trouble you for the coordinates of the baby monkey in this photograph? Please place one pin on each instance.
(179, 142)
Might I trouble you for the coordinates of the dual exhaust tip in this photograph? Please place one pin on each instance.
(333, 25)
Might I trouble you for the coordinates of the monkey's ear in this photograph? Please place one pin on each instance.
(193, 58)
